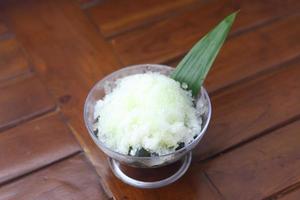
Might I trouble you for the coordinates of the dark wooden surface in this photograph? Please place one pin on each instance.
(53, 51)
(13, 61)
(72, 178)
(33, 145)
(23, 99)
(113, 17)
(259, 169)
(169, 38)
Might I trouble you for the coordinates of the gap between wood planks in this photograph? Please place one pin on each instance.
(268, 130)
(259, 135)
(38, 169)
(213, 185)
(285, 192)
(262, 73)
(235, 34)
(146, 22)
(45, 112)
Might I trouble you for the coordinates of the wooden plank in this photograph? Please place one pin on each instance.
(172, 37)
(116, 16)
(33, 145)
(70, 74)
(13, 61)
(294, 195)
(251, 108)
(254, 52)
(69, 59)
(70, 179)
(84, 59)
(193, 185)
(260, 168)
(63, 80)
(22, 100)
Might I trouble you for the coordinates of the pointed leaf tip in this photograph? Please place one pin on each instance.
(194, 67)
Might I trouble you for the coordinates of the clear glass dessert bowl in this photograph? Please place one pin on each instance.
(184, 154)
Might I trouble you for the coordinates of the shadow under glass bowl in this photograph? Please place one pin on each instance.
(98, 92)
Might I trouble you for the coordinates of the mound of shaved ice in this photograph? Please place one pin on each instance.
(147, 111)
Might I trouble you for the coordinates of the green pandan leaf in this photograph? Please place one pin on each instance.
(194, 67)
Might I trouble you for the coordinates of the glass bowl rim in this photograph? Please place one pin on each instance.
(101, 145)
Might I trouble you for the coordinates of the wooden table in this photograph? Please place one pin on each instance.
(53, 51)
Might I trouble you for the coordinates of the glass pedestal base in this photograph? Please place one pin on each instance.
(133, 181)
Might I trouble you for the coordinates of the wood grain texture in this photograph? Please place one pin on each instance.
(13, 61)
(261, 168)
(23, 99)
(193, 185)
(33, 145)
(69, 179)
(254, 52)
(251, 108)
(69, 58)
(70, 86)
(170, 38)
(116, 16)
(293, 195)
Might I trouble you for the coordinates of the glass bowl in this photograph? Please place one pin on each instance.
(100, 89)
